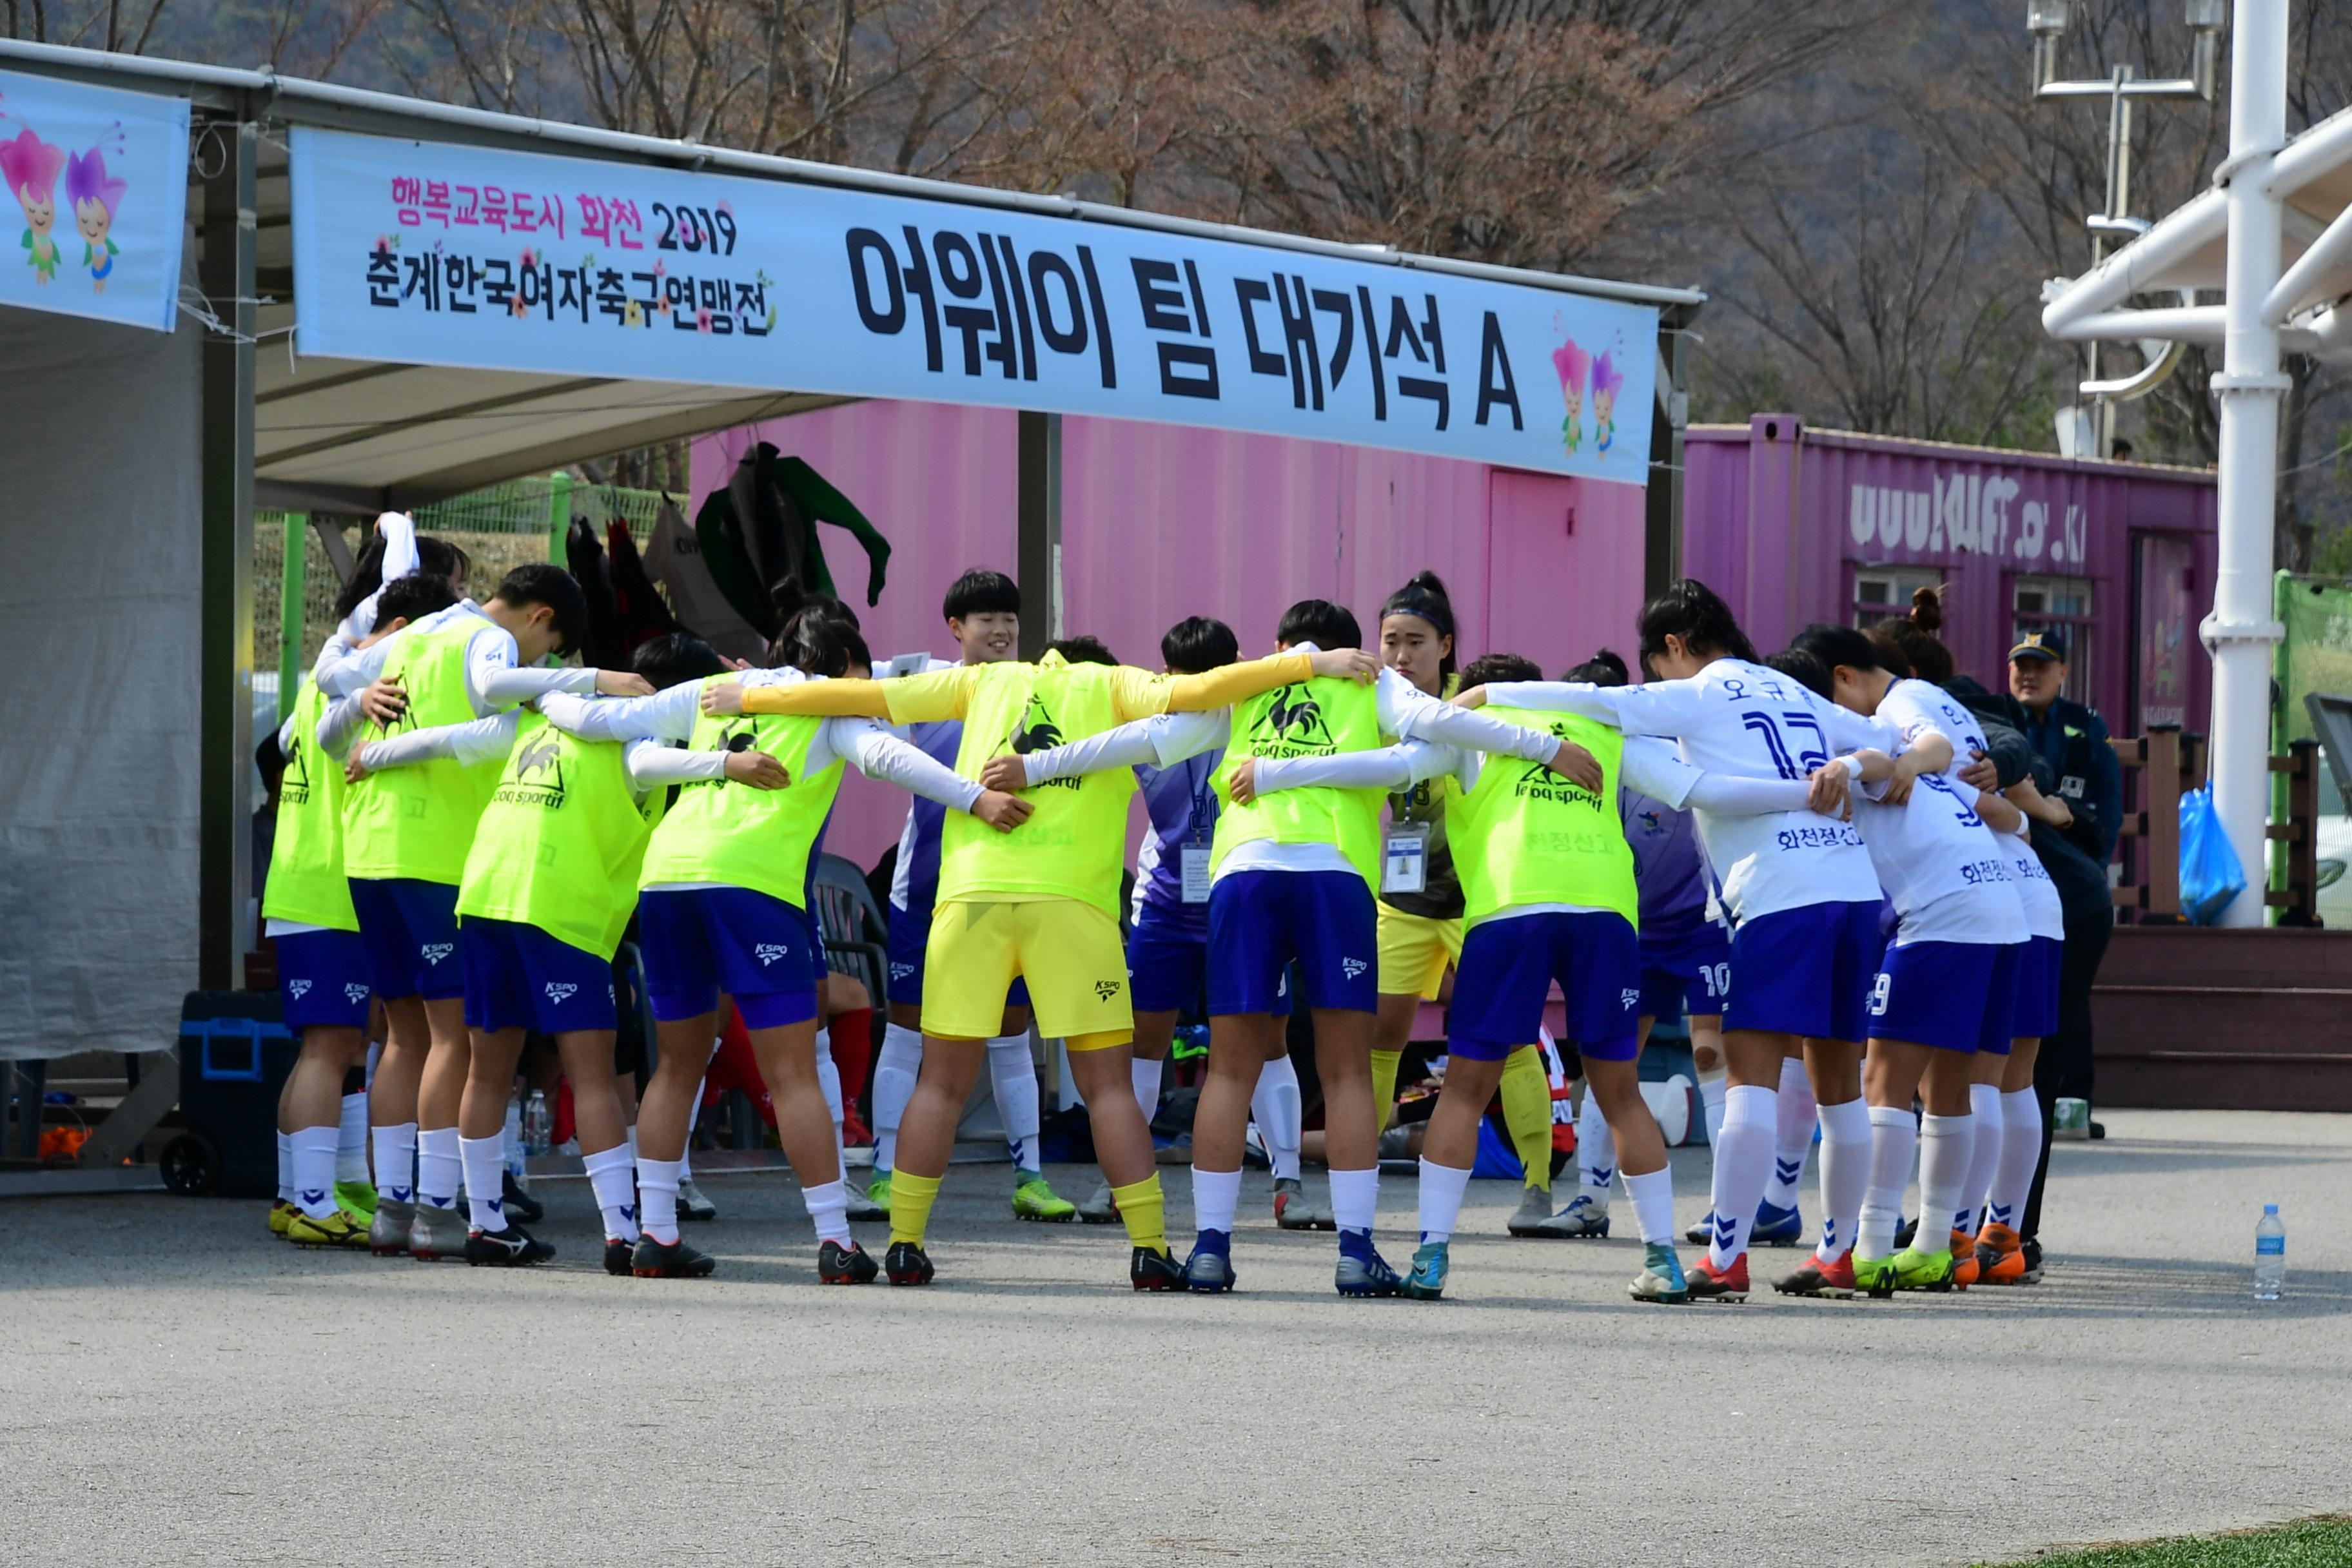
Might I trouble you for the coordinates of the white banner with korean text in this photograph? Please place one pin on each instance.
(97, 187)
(431, 254)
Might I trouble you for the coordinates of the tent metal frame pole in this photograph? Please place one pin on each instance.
(1038, 529)
(1661, 504)
(291, 584)
(225, 270)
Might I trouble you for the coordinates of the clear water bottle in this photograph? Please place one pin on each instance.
(2270, 1255)
(537, 1125)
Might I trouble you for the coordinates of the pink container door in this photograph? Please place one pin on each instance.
(1563, 567)
(2166, 567)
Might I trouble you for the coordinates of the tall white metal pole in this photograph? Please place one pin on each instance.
(2240, 632)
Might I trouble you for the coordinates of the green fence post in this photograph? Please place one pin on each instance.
(2282, 727)
(559, 515)
(289, 613)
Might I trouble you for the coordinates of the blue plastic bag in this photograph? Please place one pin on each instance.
(2210, 873)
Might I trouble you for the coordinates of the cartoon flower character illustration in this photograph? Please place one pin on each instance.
(30, 165)
(1572, 363)
(1607, 377)
(95, 195)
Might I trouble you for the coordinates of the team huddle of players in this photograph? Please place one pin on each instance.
(1806, 853)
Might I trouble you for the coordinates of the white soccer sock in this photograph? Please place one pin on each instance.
(693, 1118)
(1653, 1203)
(894, 1068)
(2021, 1150)
(313, 1154)
(612, 1177)
(1012, 1079)
(1441, 1187)
(351, 1140)
(439, 1166)
(1596, 1152)
(1275, 1107)
(828, 1079)
(1742, 1159)
(1845, 1174)
(1215, 1196)
(658, 1198)
(1793, 1137)
(395, 1161)
(1985, 1113)
(375, 1054)
(632, 1136)
(1147, 1086)
(286, 1167)
(828, 1210)
(1947, 1147)
(1894, 1136)
(512, 1153)
(1356, 1198)
(1713, 1084)
(485, 1160)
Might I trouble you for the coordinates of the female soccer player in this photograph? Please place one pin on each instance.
(1947, 991)
(1999, 1253)
(1800, 889)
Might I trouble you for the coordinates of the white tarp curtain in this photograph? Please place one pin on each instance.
(423, 253)
(99, 611)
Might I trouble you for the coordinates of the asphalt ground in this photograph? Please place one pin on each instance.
(180, 1387)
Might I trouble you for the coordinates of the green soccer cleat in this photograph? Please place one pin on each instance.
(1874, 1276)
(878, 1192)
(1427, 1280)
(358, 1199)
(1918, 1270)
(339, 1229)
(1032, 1199)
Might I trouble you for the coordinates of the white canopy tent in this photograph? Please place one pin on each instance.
(2274, 236)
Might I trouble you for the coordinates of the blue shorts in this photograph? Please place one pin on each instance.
(910, 938)
(2037, 988)
(325, 978)
(699, 941)
(1685, 972)
(1507, 972)
(1950, 995)
(1260, 920)
(411, 927)
(1806, 971)
(519, 977)
(1165, 963)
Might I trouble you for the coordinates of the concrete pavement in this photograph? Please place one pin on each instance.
(178, 1386)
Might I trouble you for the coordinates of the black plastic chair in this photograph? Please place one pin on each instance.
(856, 938)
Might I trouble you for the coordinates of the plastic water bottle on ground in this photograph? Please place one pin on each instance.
(537, 1125)
(2270, 1255)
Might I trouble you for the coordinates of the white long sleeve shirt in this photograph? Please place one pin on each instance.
(494, 675)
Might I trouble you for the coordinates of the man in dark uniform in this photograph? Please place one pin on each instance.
(2073, 741)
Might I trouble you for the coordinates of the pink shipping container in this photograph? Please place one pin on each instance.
(1163, 522)
(1794, 526)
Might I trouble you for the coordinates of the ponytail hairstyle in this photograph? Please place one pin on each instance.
(1836, 646)
(1321, 622)
(1424, 595)
(819, 635)
(1490, 667)
(1804, 669)
(1603, 668)
(1913, 638)
(1695, 613)
(435, 558)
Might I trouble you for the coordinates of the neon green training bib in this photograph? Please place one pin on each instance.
(1319, 718)
(418, 821)
(559, 845)
(1524, 835)
(307, 884)
(736, 836)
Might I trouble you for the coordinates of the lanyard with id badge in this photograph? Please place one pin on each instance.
(1192, 855)
(1404, 868)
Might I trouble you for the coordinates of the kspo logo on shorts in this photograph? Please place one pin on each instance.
(1107, 989)
(355, 993)
(767, 953)
(1629, 999)
(900, 971)
(558, 993)
(297, 989)
(435, 951)
(1878, 990)
(1352, 967)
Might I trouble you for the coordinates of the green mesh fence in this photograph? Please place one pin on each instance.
(2317, 653)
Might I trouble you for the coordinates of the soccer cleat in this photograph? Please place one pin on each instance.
(509, 1248)
(1730, 1285)
(1367, 1276)
(862, 1207)
(2000, 1257)
(651, 1259)
(616, 1256)
(1777, 1227)
(281, 1217)
(357, 1199)
(1101, 1208)
(1293, 1212)
(1661, 1280)
(1815, 1278)
(1582, 1220)
(1906, 1231)
(1211, 1266)
(1032, 1199)
(1427, 1280)
(1534, 1207)
(1915, 1271)
(691, 1203)
(1964, 1260)
(906, 1264)
(1874, 1276)
(435, 1234)
(338, 1229)
(1703, 1233)
(1149, 1270)
(877, 1191)
(516, 1204)
(839, 1265)
(2032, 1250)
(388, 1236)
